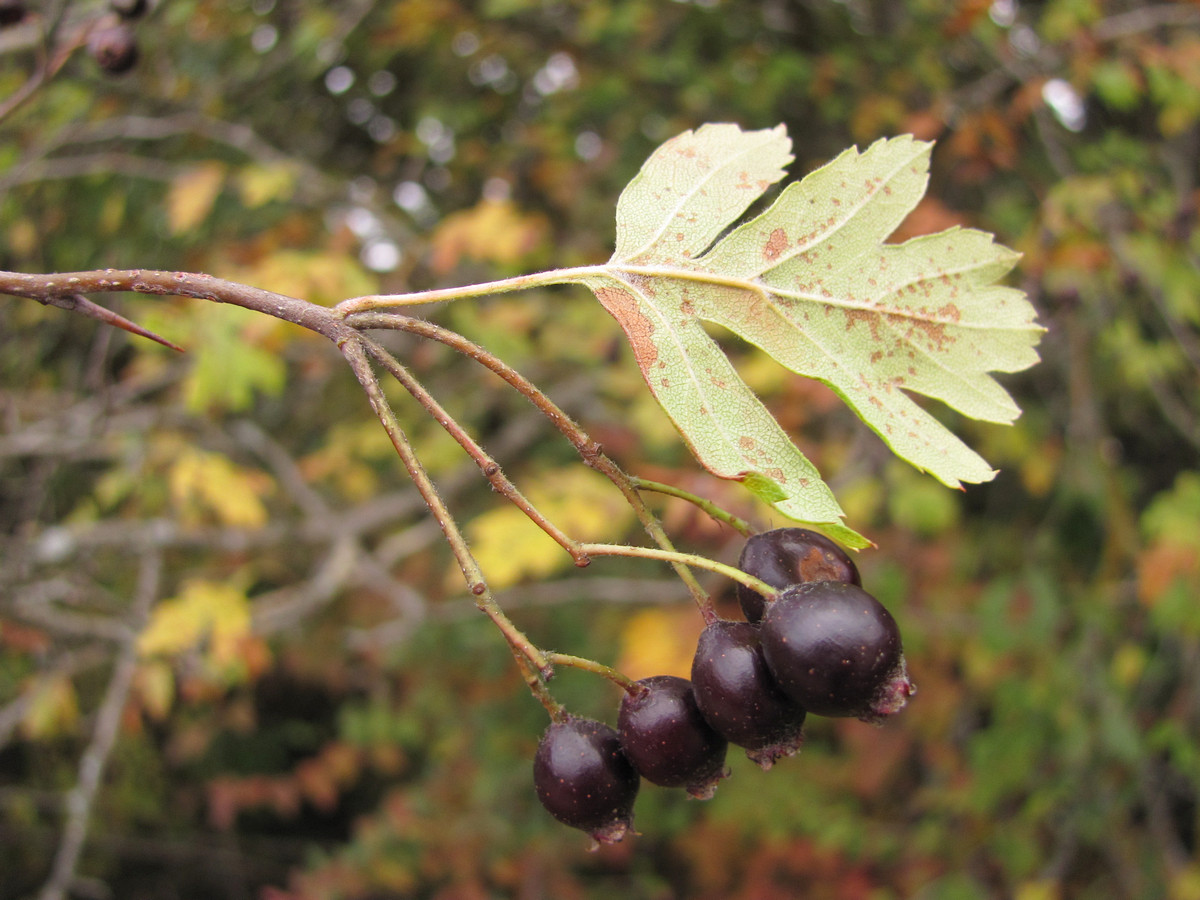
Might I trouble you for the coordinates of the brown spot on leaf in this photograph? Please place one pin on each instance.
(934, 332)
(871, 319)
(623, 306)
(775, 245)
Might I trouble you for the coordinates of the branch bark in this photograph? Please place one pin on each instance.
(60, 289)
(95, 758)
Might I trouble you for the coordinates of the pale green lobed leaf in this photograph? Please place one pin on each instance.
(812, 282)
(692, 187)
(726, 426)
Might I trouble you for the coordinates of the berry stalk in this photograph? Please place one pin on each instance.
(590, 665)
(490, 468)
(589, 450)
(356, 356)
(686, 559)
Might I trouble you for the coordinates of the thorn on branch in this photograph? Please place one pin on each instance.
(82, 305)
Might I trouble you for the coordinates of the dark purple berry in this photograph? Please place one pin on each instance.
(114, 48)
(12, 12)
(584, 779)
(129, 9)
(835, 649)
(667, 739)
(737, 696)
(787, 556)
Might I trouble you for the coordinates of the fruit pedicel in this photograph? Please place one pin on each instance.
(822, 646)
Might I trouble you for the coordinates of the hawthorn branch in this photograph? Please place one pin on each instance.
(589, 450)
(57, 289)
(40, 32)
(82, 796)
(343, 326)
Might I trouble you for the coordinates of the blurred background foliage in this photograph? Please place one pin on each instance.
(226, 624)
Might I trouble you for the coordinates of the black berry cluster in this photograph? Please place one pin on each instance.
(822, 646)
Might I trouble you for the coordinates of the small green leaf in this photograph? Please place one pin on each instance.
(811, 282)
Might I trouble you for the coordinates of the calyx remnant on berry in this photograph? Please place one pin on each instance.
(739, 698)
(584, 779)
(836, 650)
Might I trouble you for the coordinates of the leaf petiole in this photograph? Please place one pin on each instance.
(738, 524)
(372, 302)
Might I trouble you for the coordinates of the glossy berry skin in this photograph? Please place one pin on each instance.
(584, 779)
(667, 739)
(787, 556)
(738, 697)
(835, 649)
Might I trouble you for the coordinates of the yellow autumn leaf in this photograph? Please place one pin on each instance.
(510, 548)
(260, 184)
(205, 484)
(491, 231)
(192, 195)
(660, 642)
(1185, 883)
(154, 687)
(1042, 889)
(53, 707)
(211, 611)
(23, 237)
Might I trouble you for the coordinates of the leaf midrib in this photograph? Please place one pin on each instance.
(699, 187)
(847, 216)
(768, 292)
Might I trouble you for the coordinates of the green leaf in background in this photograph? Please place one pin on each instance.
(811, 282)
